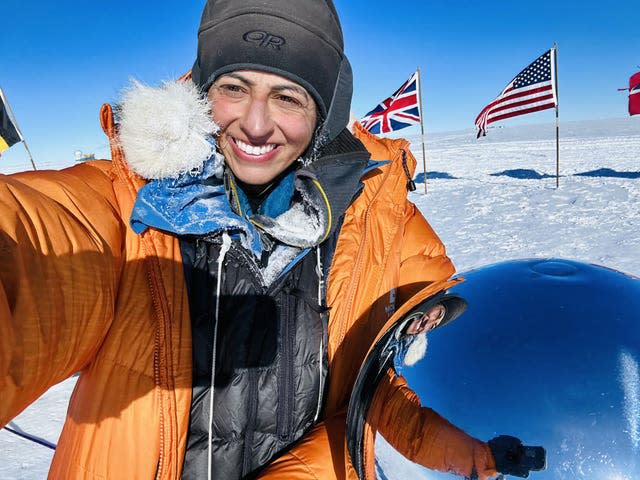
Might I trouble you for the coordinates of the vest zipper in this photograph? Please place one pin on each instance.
(285, 378)
(248, 438)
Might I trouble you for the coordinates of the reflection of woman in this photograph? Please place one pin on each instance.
(411, 337)
(411, 342)
(446, 447)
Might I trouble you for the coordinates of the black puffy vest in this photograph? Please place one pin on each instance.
(270, 362)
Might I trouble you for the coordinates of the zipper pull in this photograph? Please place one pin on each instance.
(411, 185)
(267, 247)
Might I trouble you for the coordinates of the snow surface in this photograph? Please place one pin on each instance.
(490, 200)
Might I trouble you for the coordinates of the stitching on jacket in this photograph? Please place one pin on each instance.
(309, 470)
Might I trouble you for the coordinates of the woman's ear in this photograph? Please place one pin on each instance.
(352, 120)
(186, 77)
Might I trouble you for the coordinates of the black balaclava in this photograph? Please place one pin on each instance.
(298, 39)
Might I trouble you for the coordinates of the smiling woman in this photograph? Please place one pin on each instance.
(266, 122)
(216, 294)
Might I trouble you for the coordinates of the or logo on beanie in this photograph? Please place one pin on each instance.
(264, 39)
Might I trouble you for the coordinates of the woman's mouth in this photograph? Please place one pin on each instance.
(254, 150)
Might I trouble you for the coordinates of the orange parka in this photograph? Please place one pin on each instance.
(81, 292)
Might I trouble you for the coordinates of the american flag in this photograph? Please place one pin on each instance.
(532, 90)
(400, 110)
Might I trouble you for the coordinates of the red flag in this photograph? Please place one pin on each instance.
(634, 94)
(532, 90)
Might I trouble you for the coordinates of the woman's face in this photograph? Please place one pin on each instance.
(428, 321)
(266, 123)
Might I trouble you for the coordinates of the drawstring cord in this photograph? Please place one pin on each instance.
(320, 275)
(226, 245)
(320, 305)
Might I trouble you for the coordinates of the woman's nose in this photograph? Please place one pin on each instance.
(257, 122)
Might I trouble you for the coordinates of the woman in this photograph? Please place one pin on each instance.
(257, 249)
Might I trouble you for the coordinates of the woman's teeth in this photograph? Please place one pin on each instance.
(254, 150)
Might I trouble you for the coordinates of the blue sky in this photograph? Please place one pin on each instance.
(59, 61)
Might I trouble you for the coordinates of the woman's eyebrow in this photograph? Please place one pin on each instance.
(239, 77)
(291, 87)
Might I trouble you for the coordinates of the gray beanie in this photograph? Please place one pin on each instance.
(298, 39)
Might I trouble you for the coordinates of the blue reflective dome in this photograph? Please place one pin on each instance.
(547, 351)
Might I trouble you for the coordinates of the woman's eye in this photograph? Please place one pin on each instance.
(290, 100)
(231, 89)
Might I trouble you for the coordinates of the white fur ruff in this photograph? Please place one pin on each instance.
(417, 349)
(165, 131)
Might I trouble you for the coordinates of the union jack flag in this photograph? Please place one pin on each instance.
(400, 110)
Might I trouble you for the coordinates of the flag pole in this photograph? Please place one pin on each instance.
(424, 155)
(15, 124)
(555, 69)
(26, 147)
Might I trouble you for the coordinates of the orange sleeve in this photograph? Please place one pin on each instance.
(422, 435)
(60, 255)
(423, 257)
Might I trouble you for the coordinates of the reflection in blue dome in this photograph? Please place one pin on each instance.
(548, 351)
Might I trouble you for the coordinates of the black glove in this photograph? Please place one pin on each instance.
(514, 458)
